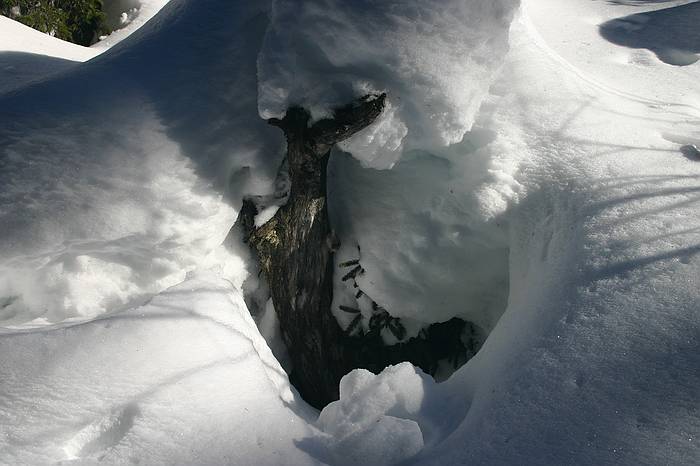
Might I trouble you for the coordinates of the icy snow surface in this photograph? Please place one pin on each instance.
(564, 222)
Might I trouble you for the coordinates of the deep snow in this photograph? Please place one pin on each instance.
(136, 196)
(564, 223)
(24, 51)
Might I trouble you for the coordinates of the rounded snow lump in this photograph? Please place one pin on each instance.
(376, 419)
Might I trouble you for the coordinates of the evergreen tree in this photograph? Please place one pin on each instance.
(78, 21)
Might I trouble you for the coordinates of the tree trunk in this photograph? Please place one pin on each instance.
(295, 252)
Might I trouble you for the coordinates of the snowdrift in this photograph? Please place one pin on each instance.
(529, 179)
(24, 51)
(185, 379)
(112, 198)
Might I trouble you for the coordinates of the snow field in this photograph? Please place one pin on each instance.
(548, 200)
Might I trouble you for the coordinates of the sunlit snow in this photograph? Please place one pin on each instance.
(533, 173)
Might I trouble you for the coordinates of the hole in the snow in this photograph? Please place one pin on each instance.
(370, 268)
(426, 287)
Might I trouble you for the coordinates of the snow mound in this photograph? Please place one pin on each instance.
(27, 55)
(113, 198)
(377, 419)
(16, 37)
(186, 379)
(85, 233)
(435, 59)
(432, 248)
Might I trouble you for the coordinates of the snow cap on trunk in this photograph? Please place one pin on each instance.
(435, 59)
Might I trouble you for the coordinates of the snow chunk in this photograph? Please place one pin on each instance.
(266, 215)
(378, 145)
(376, 420)
(435, 59)
(427, 250)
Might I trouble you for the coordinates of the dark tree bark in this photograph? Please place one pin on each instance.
(295, 253)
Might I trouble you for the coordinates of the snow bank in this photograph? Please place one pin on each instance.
(431, 248)
(112, 198)
(594, 360)
(435, 59)
(569, 210)
(16, 37)
(186, 379)
(27, 55)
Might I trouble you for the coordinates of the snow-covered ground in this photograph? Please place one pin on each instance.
(25, 52)
(564, 223)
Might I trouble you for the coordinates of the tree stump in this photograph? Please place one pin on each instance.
(295, 254)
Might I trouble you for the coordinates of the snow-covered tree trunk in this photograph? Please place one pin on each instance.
(295, 251)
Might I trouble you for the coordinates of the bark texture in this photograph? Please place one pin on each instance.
(295, 253)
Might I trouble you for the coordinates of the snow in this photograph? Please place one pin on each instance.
(136, 196)
(553, 203)
(16, 37)
(375, 421)
(325, 53)
(27, 55)
(593, 361)
(424, 241)
(174, 381)
(132, 14)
